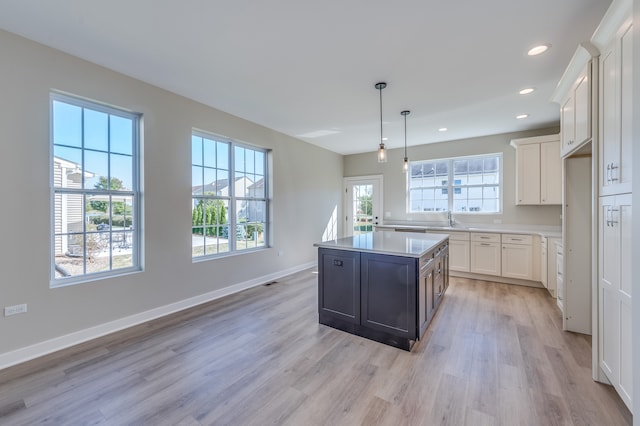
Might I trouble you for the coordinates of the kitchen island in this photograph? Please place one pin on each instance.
(384, 286)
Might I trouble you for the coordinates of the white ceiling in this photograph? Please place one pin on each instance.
(308, 68)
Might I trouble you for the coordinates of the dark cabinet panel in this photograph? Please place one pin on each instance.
(339, 284)
(426, 307)
(389, 294)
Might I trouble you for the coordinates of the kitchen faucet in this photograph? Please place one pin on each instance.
(450, 218)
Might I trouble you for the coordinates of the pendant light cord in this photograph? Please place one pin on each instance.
(380, 90)
(405, 135)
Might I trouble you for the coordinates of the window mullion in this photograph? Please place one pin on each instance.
(232, 200)
(450, 187)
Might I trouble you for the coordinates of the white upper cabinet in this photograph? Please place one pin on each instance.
(574, 95)
(538, 170)
(582, 96)
(615, 118)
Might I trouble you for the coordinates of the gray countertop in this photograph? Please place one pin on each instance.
(544, 231)
(407, 244)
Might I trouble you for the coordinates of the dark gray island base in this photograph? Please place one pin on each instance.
(383, 286)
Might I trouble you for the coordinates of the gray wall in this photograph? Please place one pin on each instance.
(306, 182)
(395, 186)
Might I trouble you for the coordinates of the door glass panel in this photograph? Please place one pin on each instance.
(362, 209)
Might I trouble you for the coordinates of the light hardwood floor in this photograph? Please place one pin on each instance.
(494, 355)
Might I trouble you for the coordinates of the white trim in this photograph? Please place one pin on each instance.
(27, 353)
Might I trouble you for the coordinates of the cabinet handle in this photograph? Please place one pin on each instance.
(613, 222)
(516, 239)
(485, 244)
(608, 172)
(486, 238)
(613, 167)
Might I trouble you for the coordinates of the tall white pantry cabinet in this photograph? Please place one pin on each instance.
(603, 116)
(614, 230)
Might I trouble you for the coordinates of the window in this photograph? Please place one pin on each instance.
(460, 185)
(95, 190)
(229, 196)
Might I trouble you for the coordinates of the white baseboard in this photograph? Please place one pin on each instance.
(27, 353)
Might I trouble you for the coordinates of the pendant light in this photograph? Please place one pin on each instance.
(405, 163)
(382, 152)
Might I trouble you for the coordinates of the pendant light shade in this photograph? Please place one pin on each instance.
(382, 152)
(405, 163)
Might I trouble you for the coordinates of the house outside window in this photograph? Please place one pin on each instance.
(460, 185)
(95, 190)
(229, 205)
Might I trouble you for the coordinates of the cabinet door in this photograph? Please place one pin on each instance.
(550, 173)
(426, 307)
(439, 277)
(552, 266)
(622, 175)
(528, 174)
(567, 120)
(560, 280)
(459, 255)
(389, 300)
(485, 258)
(582, 107)
(609, 284)
(609, 146)
(517, 261)
(339, 285)
(615, 292)
(616, 119)
(543, 262)
(624, 218)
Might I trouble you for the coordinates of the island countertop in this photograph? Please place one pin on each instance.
(407, 244)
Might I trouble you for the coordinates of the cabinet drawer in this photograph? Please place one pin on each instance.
(517, 239)
(458, 236)
(485, 237)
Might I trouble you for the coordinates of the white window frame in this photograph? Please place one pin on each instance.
(134, 193)
(232, 198)
(450, 185)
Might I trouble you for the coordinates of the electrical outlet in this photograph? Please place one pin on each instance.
(280, 252)
(15, 309)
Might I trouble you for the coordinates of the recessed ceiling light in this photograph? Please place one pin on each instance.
(521, 116)
(442, 129)
(538, 49)
(527, 91)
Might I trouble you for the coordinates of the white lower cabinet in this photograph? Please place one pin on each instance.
(544, 264)
(517, 256)
(559, 277)
(485, 254)
(614, 284)
(552, 266)
(459, 251)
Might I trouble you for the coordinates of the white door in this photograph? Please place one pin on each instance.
(363, 204)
